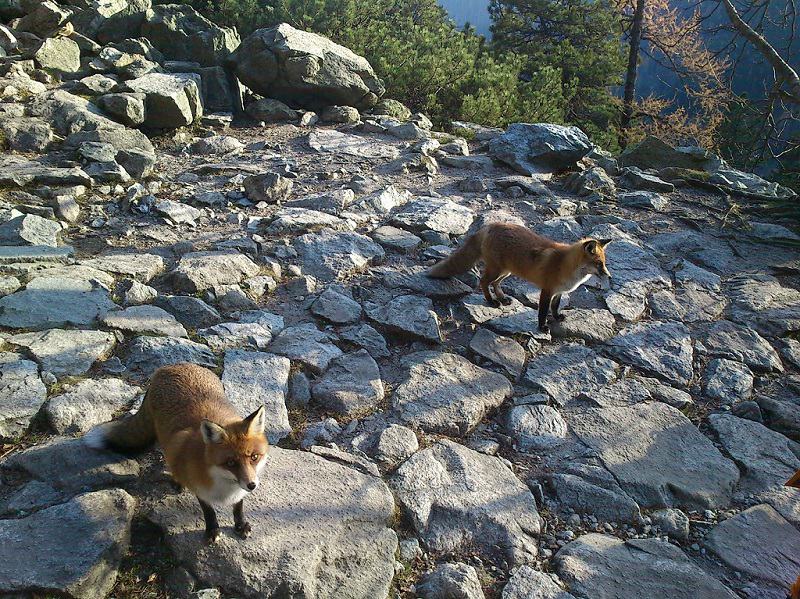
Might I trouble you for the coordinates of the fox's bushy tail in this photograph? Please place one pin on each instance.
(461, 260)
(129, 435)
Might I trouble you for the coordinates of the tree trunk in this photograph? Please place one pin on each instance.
(629, 99)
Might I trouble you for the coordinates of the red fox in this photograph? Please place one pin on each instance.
(208, 447)
(506, 249)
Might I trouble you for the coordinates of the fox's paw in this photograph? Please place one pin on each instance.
(544, 329)
(505, 300)
(493, 303)
(559, 317)
(243, 530)
(212, 535)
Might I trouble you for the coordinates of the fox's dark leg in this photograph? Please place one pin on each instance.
(554, 305)
(544, 308)
(498, 291)
(490, 274)
(241, 527)
(212, 526)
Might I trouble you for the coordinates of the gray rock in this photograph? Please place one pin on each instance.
(760, 543)
(307, 344)
(145, 319)
(773, 309)
(782, 415)
(537, 148)
(252, 379)
(107, 172)
(590, 325)
(31, 497)
(82, 560)
(653, 153)
(66, 352)
(740, 344)
(396, 239)
(435, 214)
(96, 85)
(527, 583)
(643, 199)
(71, 466)
(301, 220)
(55, 302)
(43, 18)
(688, 304)
(171, 100)
(673, 523)
(22, 393)
(395, 444)
(127, 108)
(8, 285)
(445, 393)
(416, 279)
(28, 134)
(340, 114)
(148, 354)
(299, 390)
(198, 271)
(230, 335)
(269, 187)
(566, 373)
(660, 348)
(181, 33)
(30, 229)
(736, 180)
(350, 386)
(18, 172)
(269, 110)
(177, 212)
(216, 144)
(593, 490)
(535, 428)
(58, 54)
(304, 68)
(409, 315)
(134, 293)
(40, 254)
(457, 498)
(638, 179)
(687, 272)
(766, 458)
(503, 351)
(604, 567)
(141, 267)
(88, 403)
(333, 202)
(451, 581)
(344, 549)
(320, 432)
(728, 381)
(191, 312)
(367, 337)
(335, 142)
(664, 462)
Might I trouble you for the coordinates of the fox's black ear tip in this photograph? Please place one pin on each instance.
(605, 242)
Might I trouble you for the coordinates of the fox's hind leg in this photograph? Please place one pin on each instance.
(212, 526)
(554, 308)
(544, 308)
(490, 274)
(498, 290)
(240, 525)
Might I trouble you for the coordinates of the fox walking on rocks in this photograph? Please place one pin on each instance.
(208, 447)
(506, 249)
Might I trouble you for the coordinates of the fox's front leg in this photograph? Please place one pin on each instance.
(241, 526)
(545, 297)
(554, 308)
(212, 526)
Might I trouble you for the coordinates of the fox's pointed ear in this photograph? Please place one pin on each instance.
(590, 247)
(255, 422)
(605, 242)
(212, 433)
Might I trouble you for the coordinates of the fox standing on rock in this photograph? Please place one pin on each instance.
(506, 249)
(208, 447)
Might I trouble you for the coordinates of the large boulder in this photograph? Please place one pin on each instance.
(320, 530)
(181, 33)
(305, 69)
(540, 147)
(110, 21)
(171, 100)
(652, 153)
(58, 54)
(22, 393)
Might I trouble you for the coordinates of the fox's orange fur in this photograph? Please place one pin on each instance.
(208, 447)
(506, 249)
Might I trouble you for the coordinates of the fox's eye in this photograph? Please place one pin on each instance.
(231, 463)
(254, 457)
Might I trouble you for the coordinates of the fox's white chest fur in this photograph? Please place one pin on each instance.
(224, 489)
(572, 283)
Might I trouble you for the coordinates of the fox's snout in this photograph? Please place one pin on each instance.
(249, 485)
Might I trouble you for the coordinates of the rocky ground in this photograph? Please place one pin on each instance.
(426, 444)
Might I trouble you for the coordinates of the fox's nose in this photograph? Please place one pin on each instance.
(251, 486)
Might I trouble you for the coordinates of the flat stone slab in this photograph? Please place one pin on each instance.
(145, 319)
(535, 427)
(664, 462)
(569, 371)
(190, 311)
(88, 403)
(55, 302)
(760, 299)
(307, 344)
(330, 256)
(457, 498)
(148, 354)
(503, 351)
(725, 339)
(760, 543)
(336, 307)
(336, 142)
(300, 220)
(661, 348)
(604, 567)
(81, 560)
(594, 326)
(35, 253)
(416, 280)
(446, 393)
(22, 393)
(434, 214)
(528, 583)
(140, 267)
(198, 271)
(409, 315)
(351, 385)
(316, 525)
(233, 335)
(396, 239)
(252, 379)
